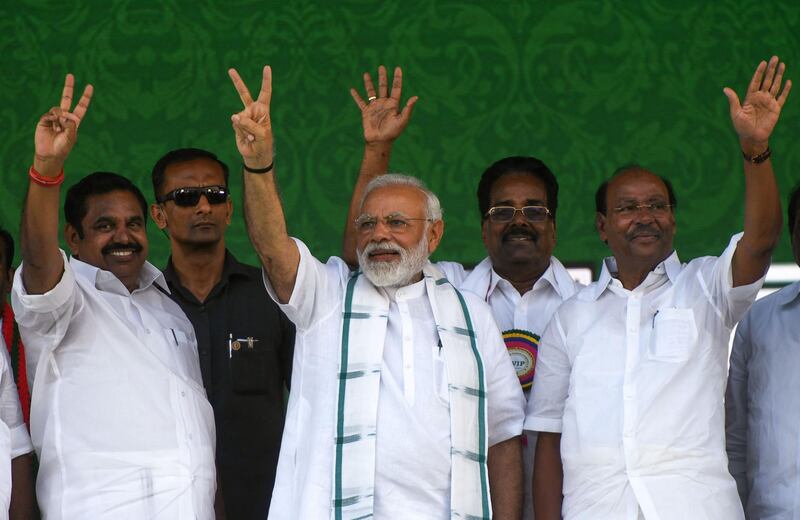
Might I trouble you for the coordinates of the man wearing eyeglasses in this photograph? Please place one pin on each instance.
(404, 403)
(520, 279)
(628, 395)
(244, 341)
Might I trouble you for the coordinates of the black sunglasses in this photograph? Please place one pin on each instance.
(188, 197)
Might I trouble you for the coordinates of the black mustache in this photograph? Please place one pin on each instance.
(521, 230)
(642, 229)
(119, 246)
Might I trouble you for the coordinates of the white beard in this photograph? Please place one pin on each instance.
(393, 274)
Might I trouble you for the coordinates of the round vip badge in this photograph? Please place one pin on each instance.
(522, 348)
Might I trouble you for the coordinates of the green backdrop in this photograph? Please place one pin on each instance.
(584, 85)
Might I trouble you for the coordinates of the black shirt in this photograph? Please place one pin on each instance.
(245, 344)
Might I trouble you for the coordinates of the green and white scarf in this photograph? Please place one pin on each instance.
(365, 316)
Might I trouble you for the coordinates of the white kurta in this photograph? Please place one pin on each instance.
(634, 381)
(119, 416)
(413, 441)
(762, 412)
(529, 312)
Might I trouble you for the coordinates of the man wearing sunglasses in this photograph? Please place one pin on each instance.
(517, 200)
(119, 418)
(244, 341)
(628, 396)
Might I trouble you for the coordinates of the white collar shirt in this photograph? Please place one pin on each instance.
(634, 381)
(119, 416)
(762, 414)
(412, 473)
(528, 312)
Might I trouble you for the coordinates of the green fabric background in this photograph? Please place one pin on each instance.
(584, 85)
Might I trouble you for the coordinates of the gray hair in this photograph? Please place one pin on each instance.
(433, 209)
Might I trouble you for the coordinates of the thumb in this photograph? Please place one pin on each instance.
(405, 114)
(733, 100)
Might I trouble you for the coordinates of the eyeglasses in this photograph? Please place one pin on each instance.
(502, 214)
(657, 209)
(396, 222)
(187, 197)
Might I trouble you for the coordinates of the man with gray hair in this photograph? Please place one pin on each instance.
(404, 402)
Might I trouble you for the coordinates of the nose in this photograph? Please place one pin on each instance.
(643, 214)
(203, 206)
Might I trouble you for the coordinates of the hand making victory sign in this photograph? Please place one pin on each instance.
(57, 130)
(252, 126)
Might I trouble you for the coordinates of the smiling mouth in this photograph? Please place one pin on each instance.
(122, 253)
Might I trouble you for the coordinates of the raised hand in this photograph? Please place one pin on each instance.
(252, 126)
(57, 130)
(755, 119)
(381, 116)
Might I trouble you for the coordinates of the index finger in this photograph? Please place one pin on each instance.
(66, 94)
(397, 84)
(265, 94)
(83, 102)
(241, 88)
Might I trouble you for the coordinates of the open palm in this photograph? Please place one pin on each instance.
(755, 119)
(381, 116)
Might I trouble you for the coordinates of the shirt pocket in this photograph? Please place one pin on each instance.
(674, 335)
(252, 365)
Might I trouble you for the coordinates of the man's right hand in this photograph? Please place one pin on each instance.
(57, 130)
(381, 117)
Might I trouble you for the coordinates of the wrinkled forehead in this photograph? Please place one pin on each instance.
(637, 185)
(400, 199)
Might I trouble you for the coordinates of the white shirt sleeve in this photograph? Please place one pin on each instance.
(317, 289)
(717, 279)
(545, 408)
(43, 319)
(505, 402)
(11, 411)
(736, 407)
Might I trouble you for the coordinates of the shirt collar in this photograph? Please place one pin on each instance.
(788, 294)
(231, 267)
(671, 266)
(551, 276)
(107, 281)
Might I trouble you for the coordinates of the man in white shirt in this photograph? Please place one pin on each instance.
(520, 279)
(119, 417)
(404, 403)
(761, 414)
(631, 374)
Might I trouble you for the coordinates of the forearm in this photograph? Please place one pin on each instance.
(374, 163)
(505, 479)
(548, 477)
(762, 218)
(43, 265)
(266, 226)
(23, 502)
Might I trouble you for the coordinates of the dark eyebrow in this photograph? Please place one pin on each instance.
(102, 219)
(135, 220)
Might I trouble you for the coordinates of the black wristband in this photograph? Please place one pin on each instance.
(757, 159)
(259, 171)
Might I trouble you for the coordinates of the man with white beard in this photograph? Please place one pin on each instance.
(404, 402)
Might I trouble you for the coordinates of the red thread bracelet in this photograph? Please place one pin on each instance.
(41, 180)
